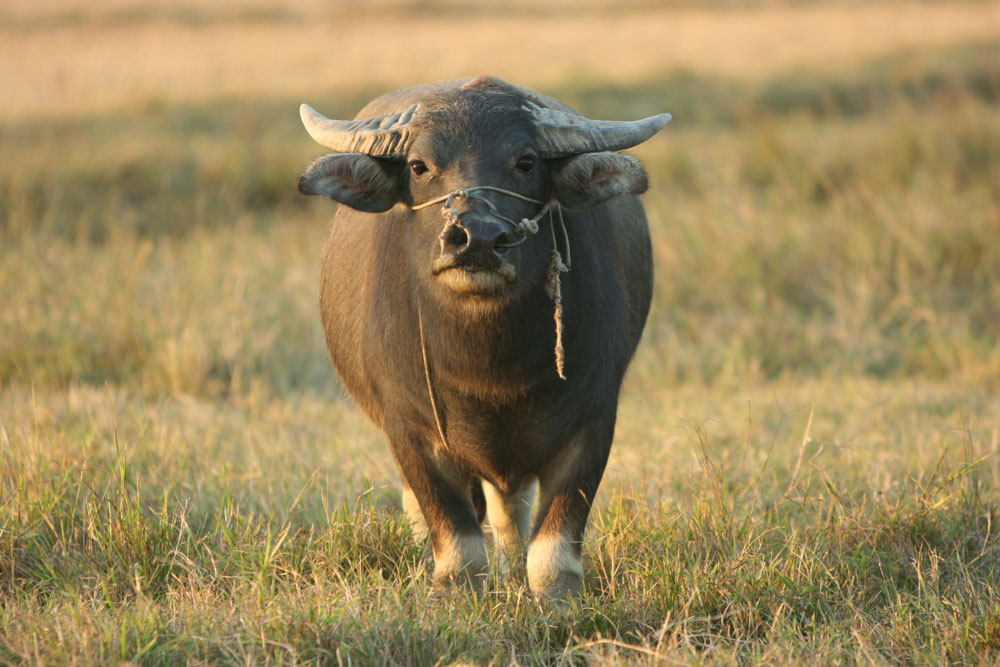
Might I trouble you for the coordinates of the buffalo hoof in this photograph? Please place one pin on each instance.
(460, 562)
(555, 569)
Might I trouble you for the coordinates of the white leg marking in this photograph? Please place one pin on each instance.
(461, 558)
(554, 568)
(418, 525)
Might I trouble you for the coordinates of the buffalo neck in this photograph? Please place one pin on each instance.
(511, 346)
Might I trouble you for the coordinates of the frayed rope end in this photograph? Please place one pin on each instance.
(553, 288)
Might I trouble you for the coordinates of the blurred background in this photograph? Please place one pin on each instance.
(825, 206)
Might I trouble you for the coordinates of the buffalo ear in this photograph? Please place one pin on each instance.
(586, 180)
(357, 180)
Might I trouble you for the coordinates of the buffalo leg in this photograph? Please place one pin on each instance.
(566, 492)
(510, 519)
(418, 525)
(446, 504)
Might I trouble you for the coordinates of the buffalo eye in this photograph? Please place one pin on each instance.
(418, 167)
(527, 163)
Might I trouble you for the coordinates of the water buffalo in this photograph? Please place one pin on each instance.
(454, 323)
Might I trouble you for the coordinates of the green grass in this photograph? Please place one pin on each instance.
(807, 459)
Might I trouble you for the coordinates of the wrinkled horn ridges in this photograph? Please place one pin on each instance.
(385, 136)
(563, 134)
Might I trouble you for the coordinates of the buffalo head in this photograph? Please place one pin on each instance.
(433, 159)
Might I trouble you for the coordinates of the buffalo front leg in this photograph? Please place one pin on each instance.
(566, 492)
(435, 495)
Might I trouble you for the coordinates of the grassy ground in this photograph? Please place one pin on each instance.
(808, 452)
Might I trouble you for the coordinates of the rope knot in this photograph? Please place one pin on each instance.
(552, 282)
(527, 226)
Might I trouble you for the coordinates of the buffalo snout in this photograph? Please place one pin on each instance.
(476, 243)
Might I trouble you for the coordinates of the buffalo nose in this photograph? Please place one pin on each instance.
(475, 236)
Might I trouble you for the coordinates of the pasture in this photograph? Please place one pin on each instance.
(807, 458)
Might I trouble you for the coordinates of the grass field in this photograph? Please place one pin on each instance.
(807, 460)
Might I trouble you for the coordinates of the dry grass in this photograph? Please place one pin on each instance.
(167, 530)
(73, 66)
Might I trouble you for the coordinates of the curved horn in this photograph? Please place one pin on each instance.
(563, 134)
(386, 136)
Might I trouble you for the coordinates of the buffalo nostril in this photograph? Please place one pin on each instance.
(503, 242)
(455, 237)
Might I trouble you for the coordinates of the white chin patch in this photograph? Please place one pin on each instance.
(478, 282)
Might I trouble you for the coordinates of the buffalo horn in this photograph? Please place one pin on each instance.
(563, 134)
(386, 136)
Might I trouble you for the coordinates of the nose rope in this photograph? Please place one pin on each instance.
(526, 227)
(464, 192)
